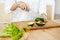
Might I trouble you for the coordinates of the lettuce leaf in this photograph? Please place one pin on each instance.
(12, 31)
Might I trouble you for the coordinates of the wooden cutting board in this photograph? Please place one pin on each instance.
(49, 24)
(46, 34)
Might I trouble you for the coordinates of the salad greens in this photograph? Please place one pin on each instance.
(12, 31)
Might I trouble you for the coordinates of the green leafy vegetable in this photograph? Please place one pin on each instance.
(12, 31)
(3, 34)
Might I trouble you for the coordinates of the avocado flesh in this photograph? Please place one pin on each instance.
(31, 24)
(40, 24)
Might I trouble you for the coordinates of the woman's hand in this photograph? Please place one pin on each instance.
(24, 6)
(45, 17)
(14, 7)
(21, 4)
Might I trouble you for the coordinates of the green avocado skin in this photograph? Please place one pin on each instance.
(38, 24)
(39, 19)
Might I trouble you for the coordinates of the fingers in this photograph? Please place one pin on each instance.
(45, 17)
(45, 20)
(14, 7)
(28, 8)
(24, 6)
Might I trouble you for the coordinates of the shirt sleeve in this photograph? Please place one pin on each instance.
(8, 4)
(21, 0)
(42, 7)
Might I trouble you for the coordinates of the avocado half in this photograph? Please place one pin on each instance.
(40, 24)
(31, 24)
(39, 19)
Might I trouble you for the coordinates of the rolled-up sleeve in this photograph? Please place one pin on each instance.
(22, 0)
(42, 7)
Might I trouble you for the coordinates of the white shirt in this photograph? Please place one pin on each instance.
(37, 6)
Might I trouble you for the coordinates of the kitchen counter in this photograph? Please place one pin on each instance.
(42, 34)
(46, 34)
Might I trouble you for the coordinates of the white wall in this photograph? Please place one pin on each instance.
(57, 6)
(4, 17)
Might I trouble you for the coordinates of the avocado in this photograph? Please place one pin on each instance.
(39, 19)
(40, 24)
(31, 24)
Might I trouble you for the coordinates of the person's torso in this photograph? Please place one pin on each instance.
(24, 15)
(20, 14)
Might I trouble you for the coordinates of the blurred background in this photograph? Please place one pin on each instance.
(52, 9)
(57, 9)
